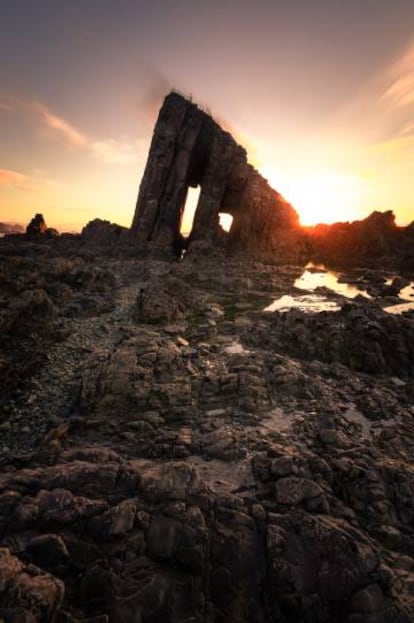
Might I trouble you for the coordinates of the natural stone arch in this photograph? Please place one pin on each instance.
(189, 149)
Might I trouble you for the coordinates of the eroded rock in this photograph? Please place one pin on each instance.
(189, 149)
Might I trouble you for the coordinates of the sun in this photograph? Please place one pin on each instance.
(321, 197)
(327, 198)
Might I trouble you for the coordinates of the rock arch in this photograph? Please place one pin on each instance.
(190, 149)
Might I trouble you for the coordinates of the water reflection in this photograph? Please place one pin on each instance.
(308, 303)
(399, 308)
(406, 295)
(316, 276)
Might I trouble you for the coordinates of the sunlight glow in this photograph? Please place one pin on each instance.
(190, 207)
(225, 220)
(325, 197)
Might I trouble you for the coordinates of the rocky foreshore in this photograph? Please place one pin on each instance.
(171, 452)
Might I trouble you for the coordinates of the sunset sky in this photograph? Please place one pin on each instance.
(320, 92)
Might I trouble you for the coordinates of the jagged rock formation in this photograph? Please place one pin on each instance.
(37, 225)
(364, 242)
(190, 149)
(99, 231)
(37, 229)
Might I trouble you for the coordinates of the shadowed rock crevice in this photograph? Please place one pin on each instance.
(190, 149)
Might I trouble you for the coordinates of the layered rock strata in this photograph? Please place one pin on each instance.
(190, 149)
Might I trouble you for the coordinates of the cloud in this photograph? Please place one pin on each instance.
(114, 152)
(108, 150)
(44, 117)
(62, 128)
(5, 105)
(394, 149)
(33, 182)
(401, 90)
(15, 180)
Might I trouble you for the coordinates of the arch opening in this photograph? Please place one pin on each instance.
(188, 213)
(225, 221)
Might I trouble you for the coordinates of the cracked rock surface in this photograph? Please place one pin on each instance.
(170, 452)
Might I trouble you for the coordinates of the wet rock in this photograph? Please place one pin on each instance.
(165, 299)
(103, 233)
(26, 593)
(360, 336)
(292, 490)
(367, 600)
(188, 482)
(170, 481)
(48, 550)
(117, 521)
(97, 587)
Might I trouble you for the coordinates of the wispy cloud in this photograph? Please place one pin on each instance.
(15, 180)
(395, 149)
(52, 124)
(377, 122)
(34, 181)
(59, 126)
(114, 152)
(5, 105)
(401, 90)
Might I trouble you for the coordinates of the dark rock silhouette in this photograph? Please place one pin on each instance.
(99, 231)
(363, 242)
(11, 228)
(36, 226)
(37, 229)
(190, 149)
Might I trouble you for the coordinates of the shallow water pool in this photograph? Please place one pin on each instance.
(315, 276)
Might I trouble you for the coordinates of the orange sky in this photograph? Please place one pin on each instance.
(322, 97)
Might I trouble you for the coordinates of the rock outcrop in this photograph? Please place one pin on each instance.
(36, 226)
(11, 228)
(190, 149)
(364, 242)
(103, 232)
(184, 456)
(37, 229)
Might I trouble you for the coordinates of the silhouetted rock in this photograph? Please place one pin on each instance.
(103, 233)
(364, 242)
(11, 228)
(189, 149)
(37, 230)
(36, 227)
